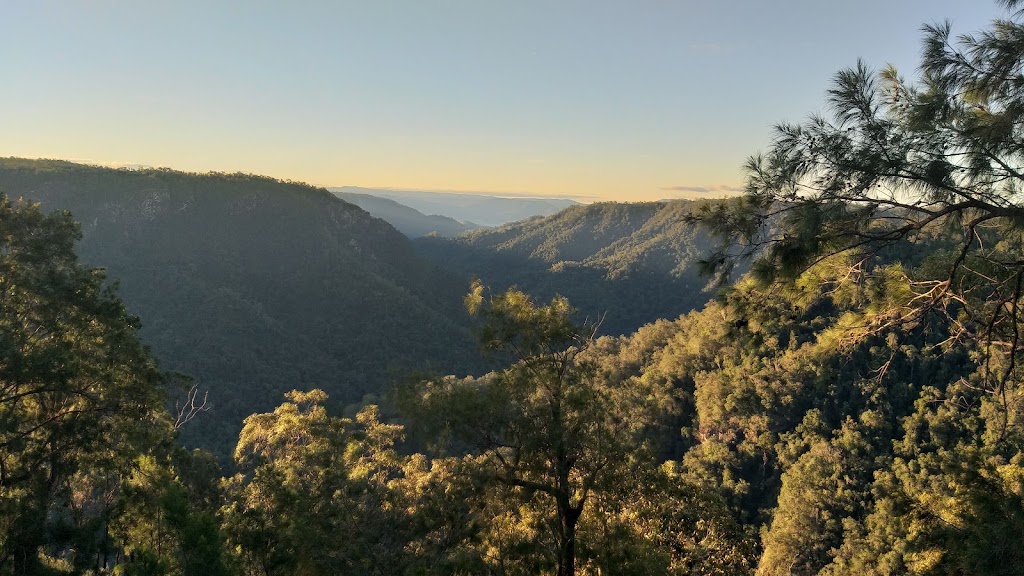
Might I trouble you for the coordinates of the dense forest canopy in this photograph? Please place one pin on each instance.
(254, 286)
(853, 405)
(905, 205)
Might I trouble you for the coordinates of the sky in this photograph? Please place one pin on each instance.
(623, 100)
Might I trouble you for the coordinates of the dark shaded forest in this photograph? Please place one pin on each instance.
(255, 286)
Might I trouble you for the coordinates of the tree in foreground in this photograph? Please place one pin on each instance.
(907, 205)
(931, 170)
(90, 479)
(312, 496)
(555, 446)
(80, 397)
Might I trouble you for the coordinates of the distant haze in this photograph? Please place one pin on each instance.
(471, 209)
(406, 219)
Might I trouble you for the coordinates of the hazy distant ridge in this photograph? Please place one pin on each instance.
(482, 209)
(409, 221)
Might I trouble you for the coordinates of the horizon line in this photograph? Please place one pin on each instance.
(493, 194)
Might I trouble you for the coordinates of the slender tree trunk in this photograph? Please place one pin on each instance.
(567, 560)
(30, 525)
(568, 517)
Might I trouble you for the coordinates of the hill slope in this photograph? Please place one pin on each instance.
(633, 262)
(408, 221)
(255, 286)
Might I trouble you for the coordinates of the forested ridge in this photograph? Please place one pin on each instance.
(852, 404)
(255, 286)
(628, 263)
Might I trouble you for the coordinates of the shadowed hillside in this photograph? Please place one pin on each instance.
(255, 286)
(632, 263)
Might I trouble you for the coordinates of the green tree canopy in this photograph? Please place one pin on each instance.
(312, 494)
(547, 434)
(79, 394)
(902, 209)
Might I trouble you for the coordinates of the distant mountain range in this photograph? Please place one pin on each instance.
(628, 263)
(471, 209)
(408, 221)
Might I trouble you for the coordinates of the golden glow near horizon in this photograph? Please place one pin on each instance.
(609, 182)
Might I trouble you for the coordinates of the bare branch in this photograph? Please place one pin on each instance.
(191, 407)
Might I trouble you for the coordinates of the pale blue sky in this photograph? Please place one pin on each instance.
(620, 99)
